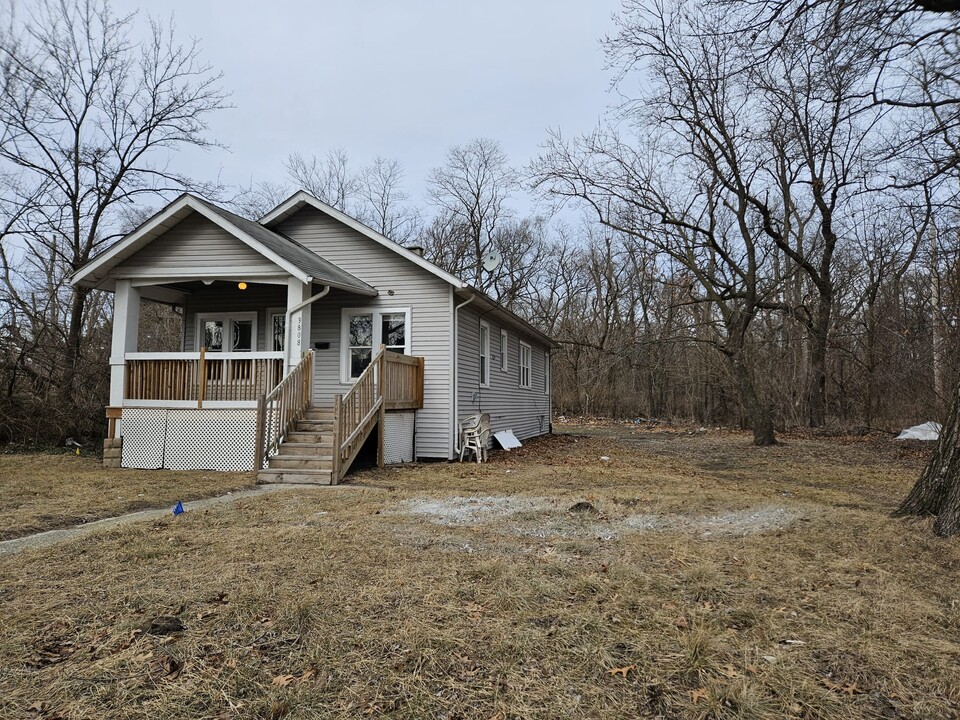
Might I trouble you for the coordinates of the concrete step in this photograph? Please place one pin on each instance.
(301, 462)
(324, 449)
(309, 436)
(303, 477)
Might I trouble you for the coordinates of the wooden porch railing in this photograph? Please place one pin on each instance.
(391, 381)
(279, 410)
(233, 377)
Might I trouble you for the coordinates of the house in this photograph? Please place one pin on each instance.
(305, 336)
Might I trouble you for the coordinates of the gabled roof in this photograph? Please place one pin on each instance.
(288, 255)
(464, 290)
(302, 198)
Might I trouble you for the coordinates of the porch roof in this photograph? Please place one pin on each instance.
(287, 254)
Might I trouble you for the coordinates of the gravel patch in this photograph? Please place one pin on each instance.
(545, 517)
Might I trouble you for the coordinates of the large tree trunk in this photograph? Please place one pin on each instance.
(937, 491)
(74, 342)
(819, 337)
(758, 415)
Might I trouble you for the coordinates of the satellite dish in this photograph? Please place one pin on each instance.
(491, 261)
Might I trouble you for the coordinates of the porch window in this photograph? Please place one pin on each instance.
(278, 329)
(227, 333)
(524, 365)
(484, 354)
(363, 330)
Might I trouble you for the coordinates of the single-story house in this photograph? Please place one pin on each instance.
(302, 334)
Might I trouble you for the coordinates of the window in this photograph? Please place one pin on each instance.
(503, 351)
(227, 333)
(484, 354)
(546, 373)
(364, 330)
(524, 365)
(277, 328)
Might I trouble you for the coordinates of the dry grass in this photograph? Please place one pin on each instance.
(393, 601)
(43, 492)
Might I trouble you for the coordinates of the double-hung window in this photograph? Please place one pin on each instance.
(504, 345)
(525, 358)
(484, 354)
(364, 330)
(546, 372)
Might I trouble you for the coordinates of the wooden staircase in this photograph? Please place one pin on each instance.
(298, 443)
(306, 453)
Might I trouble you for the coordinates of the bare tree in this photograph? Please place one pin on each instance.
(328, 179)
(383, 202)
(470, 191)
(89, 120)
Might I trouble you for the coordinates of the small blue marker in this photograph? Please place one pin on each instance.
(178, 508)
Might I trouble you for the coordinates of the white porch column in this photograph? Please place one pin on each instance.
(298, 333)
(126, 325)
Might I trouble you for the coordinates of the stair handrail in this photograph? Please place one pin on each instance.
(354, 414)
(279, 410)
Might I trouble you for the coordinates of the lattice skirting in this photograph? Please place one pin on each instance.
(207, 439)
(400, 428)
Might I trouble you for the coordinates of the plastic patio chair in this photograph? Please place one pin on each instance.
(474, 436)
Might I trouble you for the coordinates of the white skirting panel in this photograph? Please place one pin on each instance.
(178, 439)
(399, 430)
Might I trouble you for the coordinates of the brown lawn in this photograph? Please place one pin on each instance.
(711, 579)
(43, 492)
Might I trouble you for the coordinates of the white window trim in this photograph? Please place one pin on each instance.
(546, 372)
(504, 351)
(484, 352)
(345, 314)
(268, 335)
(227, 318)
(520, 366)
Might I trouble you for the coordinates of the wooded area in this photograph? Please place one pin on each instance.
(763, 233)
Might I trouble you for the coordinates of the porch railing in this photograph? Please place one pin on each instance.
(279, 410)
(203, 376)
(391, 381)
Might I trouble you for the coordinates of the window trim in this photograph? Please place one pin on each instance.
(377, 313)
(484, 354)
(546, 372)
(504, 350)
(521, 367)
(227, 318)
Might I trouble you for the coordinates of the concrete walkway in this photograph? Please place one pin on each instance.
(52, 537)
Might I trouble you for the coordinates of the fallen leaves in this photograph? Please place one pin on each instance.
(283, 680)
(699, 694)
(841, 687)
(621, 671)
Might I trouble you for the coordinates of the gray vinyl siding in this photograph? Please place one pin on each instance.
(197, 242)
(427, 296)
(225, 298)
(525, 411)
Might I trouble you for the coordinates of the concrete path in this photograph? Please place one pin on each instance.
(52, 537)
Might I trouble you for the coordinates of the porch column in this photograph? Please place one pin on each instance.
(299, 323)
(126, 325)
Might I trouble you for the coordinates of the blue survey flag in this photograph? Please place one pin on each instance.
(178, 508)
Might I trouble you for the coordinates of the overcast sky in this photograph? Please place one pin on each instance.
(403, 79)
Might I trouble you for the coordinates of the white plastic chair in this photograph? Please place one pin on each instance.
(474, 436)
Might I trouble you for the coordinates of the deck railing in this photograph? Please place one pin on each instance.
(391, 381)
(202, 376)
(279, 410)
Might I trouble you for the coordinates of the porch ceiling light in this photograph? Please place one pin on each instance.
(208, 282)
(242, 285)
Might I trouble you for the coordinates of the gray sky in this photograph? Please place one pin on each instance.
(404, 80)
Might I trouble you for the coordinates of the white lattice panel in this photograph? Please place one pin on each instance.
(143, 431)
(190, 439)
(211, 439)
(399, 430)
